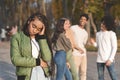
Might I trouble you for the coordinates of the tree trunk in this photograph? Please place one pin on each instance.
(73, 9)
(88, 29)
(20, 14)
(43, 7)
(92, 23)
(65, 8)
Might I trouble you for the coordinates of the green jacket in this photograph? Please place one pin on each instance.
(21, 54)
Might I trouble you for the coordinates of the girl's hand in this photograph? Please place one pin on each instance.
(43, 63)
(68, 65)
(42, 31)
(108, 63)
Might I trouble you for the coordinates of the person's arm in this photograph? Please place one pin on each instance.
(85, 38)
(93, 42)
(75, 46)
(45, 50)
(46, 54)
(114, 47)
(70, 35)
(16, 55)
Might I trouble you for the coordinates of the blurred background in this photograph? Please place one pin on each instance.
(13, 13)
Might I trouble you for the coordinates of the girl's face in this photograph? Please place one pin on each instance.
(35, 27)
(67, 24)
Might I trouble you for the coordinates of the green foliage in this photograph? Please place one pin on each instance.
(70, 6)
(115, 10)
(118, 45)
(91, 48)
(57, 9)
(78, 11)
(95, 7)
(11, 11)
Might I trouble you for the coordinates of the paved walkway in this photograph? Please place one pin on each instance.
(7, 70)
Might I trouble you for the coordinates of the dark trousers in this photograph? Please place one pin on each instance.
(20, 77)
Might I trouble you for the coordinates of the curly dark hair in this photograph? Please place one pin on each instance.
(84, 15)
(40, 17)
(58, 29)
(109, 23)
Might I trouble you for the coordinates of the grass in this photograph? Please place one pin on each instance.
(119, 45)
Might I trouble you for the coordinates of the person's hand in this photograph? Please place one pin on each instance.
(81, 51)
(68, 65)
(92, 41)
(108, 63)
(43, 63)
(42, 31)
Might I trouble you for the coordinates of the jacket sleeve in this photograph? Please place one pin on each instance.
(45, 50)
(15, 53)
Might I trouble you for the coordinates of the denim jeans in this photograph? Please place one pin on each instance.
(62, 70)
(111, 70)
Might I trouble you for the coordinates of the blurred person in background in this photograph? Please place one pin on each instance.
(11, 31)
(3, 34)
(106, 42)
(80, 36)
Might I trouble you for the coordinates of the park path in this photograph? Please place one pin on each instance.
(7, 70)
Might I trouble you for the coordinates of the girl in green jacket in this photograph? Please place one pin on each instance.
(29, 51)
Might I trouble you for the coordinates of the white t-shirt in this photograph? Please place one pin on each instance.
(80, 37)
(35, 48)
(107, 46)
(37, 71)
